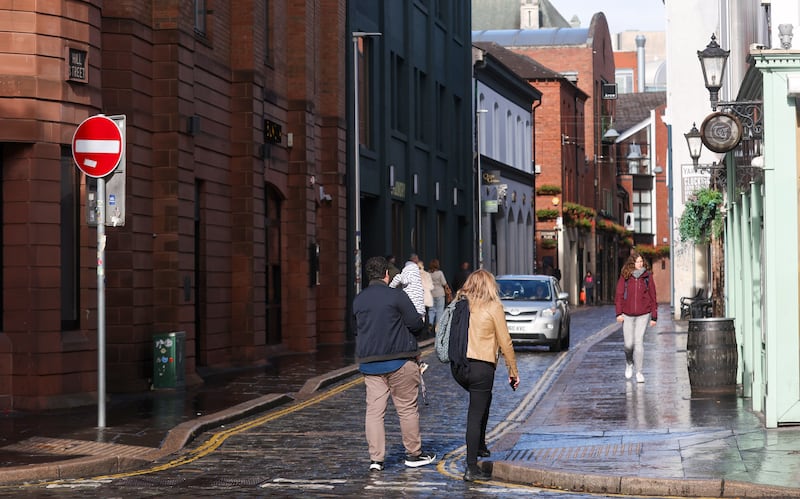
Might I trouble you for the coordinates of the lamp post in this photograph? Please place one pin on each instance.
(357, 36)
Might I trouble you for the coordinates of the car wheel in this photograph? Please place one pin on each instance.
(565, 338)
(557, 343)
(565, 342)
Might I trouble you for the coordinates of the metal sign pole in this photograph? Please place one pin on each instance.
(101, 303)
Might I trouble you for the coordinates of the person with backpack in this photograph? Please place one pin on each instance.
(473, 353)
(386, 326)
(636, 307)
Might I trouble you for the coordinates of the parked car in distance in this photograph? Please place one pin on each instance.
(537, 311)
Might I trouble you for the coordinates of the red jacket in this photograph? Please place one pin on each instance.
(637, 296)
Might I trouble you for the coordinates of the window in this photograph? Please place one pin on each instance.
(70, 240)
(364, 62)
(200, 17)
(642, 212)
(399, 96)
(267, 35)
(441, 109)
(494, 153)
(624, 80)
(509, 132)
(421, 99)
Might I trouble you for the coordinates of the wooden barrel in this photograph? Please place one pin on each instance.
(712, 355)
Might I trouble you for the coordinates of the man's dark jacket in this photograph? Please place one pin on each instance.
(385, 319)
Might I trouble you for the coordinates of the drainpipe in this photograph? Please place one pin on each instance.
(533, 194)
(640, 41)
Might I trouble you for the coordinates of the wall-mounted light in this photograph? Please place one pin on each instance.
(437, 190)
(416, 183)
(634, 157)
(712, 61)
(555, 201)
(391, 176)
(455, 196)
(695, 143)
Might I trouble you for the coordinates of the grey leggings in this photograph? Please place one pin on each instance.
(633, 328)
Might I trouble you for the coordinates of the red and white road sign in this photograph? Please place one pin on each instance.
(97, 146)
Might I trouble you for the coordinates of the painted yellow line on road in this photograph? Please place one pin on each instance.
(212, 443)
(220, 437)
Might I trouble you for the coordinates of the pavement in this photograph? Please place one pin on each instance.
(582, 427)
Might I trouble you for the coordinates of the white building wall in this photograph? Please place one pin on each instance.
(505, 135)
(687, 103)
(505, 130)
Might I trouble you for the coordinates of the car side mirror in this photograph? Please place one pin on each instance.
(563, 296)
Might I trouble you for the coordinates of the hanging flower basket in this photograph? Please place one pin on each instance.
(549, 243)
(653, 253)
(546, 214)
(701, 216)
(548, 190)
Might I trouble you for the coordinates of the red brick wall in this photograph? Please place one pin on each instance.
(147, 63)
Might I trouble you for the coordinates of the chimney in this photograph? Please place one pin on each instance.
(640, 40)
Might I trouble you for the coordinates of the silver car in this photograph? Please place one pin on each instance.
(537, 311)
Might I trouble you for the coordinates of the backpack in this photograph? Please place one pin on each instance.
(443, 332)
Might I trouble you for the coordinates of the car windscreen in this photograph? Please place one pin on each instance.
(526, 290)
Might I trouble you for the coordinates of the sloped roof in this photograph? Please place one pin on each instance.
(634, 108)
(523, 66)
(549, 37)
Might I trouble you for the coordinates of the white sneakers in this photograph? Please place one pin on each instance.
(629, 374)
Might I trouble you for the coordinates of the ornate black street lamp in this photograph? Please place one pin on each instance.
(713, 60)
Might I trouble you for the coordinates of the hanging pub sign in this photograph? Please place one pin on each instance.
(609, 91)
(721, 132)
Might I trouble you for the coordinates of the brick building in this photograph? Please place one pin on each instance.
(232, 127)
(583, 55)
(238, 226)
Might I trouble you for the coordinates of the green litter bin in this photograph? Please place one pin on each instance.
(168, 359)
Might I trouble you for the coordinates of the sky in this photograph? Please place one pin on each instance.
(622, 15)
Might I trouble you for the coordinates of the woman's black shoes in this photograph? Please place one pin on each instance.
(484, 452)
(476, 474)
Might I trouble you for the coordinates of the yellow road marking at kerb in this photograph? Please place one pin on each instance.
(219, 438)
(214, 441)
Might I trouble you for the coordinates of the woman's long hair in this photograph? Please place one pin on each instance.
(481, 287)
(630, 264)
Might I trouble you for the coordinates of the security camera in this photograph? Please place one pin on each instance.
(323, 196)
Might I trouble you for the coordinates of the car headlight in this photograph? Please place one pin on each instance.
(548, 312)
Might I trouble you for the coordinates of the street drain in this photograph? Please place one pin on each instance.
(576, 453)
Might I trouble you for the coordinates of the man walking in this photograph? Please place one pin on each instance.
(386, 349)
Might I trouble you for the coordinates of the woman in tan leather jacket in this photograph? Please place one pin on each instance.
(487, 335)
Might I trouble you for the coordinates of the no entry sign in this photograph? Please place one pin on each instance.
(97, 146)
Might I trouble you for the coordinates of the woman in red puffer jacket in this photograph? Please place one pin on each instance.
(636, 305)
